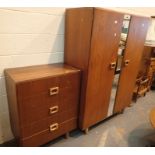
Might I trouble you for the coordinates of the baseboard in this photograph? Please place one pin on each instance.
(11, 143)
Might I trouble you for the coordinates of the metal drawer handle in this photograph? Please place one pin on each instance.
(112, 65)
(54, 127)
(54, 90)
(54, 109)
(126, 63)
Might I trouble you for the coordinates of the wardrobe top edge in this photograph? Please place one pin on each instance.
(110, 9)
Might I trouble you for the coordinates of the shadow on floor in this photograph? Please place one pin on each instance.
(141, 136)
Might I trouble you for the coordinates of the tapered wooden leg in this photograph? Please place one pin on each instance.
(135, 96)
(86, 131)
(67, 135)
(135, 99)
(122, 111)
(130, 105)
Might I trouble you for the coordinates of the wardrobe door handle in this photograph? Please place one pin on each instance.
(54, 127)
(126, 62)
(112, 65)
(54, 109)
(54, 90)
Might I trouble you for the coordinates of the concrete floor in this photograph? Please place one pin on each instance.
(128, 129)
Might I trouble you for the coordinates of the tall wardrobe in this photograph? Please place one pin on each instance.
(107, 46)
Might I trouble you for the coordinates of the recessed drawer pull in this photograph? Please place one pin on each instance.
(54, 90)
(54, 109)
(54, 127)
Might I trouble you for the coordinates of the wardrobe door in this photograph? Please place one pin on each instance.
(131, 61)
(104, 45)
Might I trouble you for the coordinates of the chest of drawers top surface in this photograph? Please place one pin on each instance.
(29, 73)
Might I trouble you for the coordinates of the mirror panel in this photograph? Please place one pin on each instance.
(120, 54)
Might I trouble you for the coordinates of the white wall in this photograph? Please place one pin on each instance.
(28, 36)
(137, 10)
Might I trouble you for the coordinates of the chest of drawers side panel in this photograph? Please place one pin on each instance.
(13, 105)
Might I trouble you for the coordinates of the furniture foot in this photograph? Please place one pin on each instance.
(67, 135)
(130, 105)
(134, 99)
(122, 111)
(86, 131)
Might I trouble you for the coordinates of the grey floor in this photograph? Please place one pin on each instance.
(128, 129)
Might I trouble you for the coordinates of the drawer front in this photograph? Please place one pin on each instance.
(44, 124)
(70, 80)
(48, 85)
(47, 135)
(36, 87)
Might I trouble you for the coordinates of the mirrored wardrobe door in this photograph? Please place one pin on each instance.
(131, 60)
(120, 55)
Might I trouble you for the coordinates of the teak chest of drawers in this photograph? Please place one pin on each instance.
(43, 102)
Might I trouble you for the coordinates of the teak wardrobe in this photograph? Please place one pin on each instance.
(92, 38)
